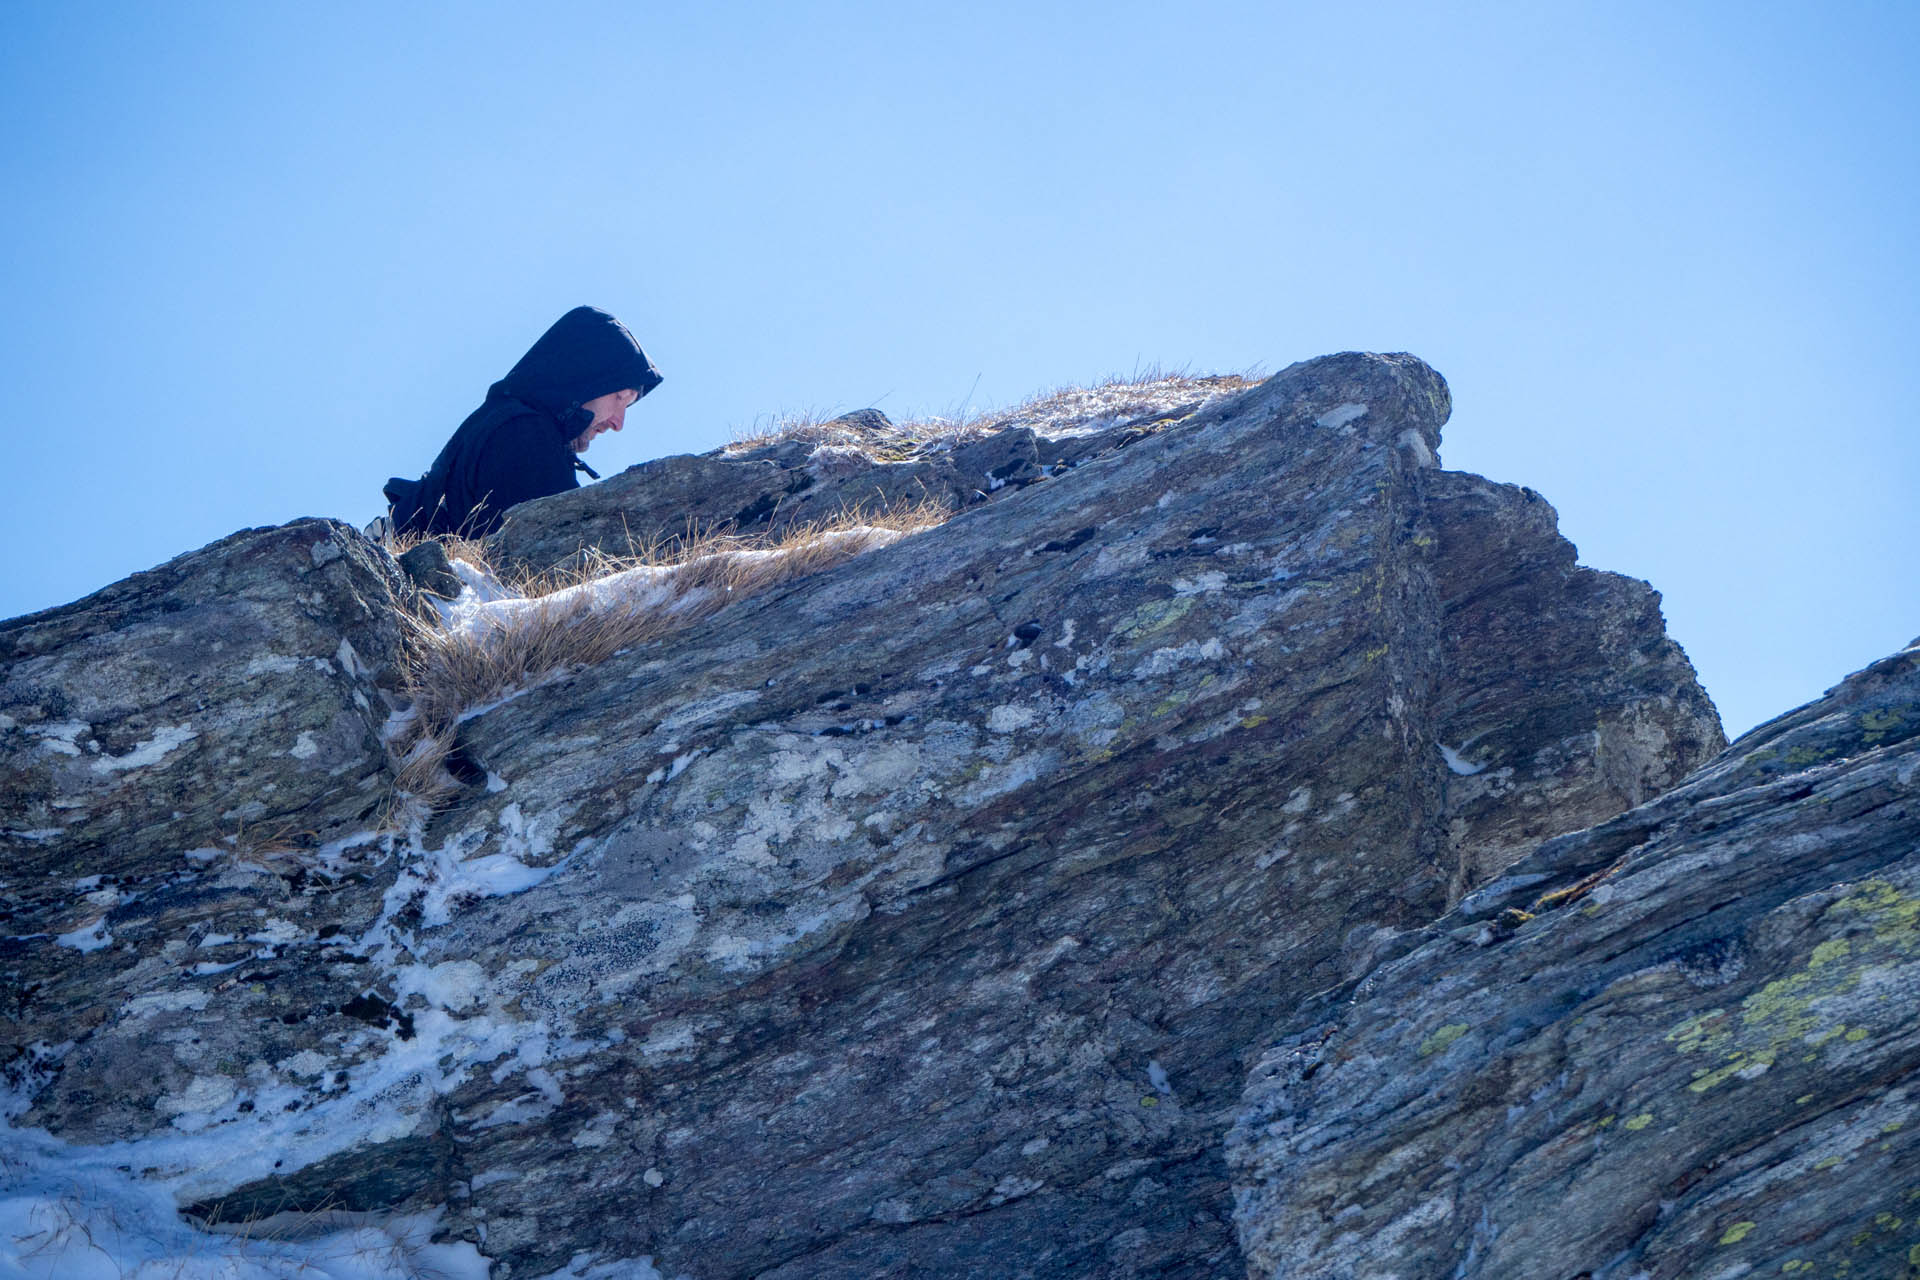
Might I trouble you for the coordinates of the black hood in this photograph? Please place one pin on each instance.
(587, 353)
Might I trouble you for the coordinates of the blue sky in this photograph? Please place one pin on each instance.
(256, 258)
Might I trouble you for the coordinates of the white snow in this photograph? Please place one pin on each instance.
(88, 937)
(583, 1267)
(1157, 1077)
(70, 1211)
(148, 752)
(448, 879)
(455, 985)
(62, 1219)
(485, 607)
(60, 736)
(1456, 763)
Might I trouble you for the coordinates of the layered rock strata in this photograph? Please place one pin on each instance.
(1681, 1043)
(918, 917)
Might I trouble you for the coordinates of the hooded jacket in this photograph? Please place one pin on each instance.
(517, 445)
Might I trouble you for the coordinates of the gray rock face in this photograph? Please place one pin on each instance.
(184, 756)
(859, 461)
(234, 688)
(921, 916)
(1681, 1043)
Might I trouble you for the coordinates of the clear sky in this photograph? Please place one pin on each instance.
(258, 257)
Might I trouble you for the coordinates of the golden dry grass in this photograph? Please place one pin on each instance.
(1148, 395)
(562, 621)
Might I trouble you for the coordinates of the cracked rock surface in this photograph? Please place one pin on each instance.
(923, 916)
(1680, 1043)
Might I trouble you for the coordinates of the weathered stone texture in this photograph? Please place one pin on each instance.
(923, 917)
(1679, 1044)
(177, 751)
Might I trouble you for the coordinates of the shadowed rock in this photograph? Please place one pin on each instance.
(1681, 1043)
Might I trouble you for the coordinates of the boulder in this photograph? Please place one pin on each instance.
(1679, 1043)
(188, 759)
(922, 916)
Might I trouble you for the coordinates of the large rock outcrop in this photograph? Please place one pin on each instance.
(183, 756)
(1679, 1044)
(917, 918)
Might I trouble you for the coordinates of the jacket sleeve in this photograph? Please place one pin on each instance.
(523, 459)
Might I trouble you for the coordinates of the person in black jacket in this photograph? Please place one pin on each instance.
(522, 443)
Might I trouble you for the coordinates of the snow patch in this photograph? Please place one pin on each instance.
(63, 1220)
(148, 752)
(88, 937)
(1458, 764)
(583, 1267)
(60, 737)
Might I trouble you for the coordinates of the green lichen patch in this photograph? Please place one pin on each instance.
(1737, 1232)
(1151, 617)
(1877, 725)
(1797, 1011)
(1440, 1039)
(1829, 951)
(1895, 915)
(1801, 757)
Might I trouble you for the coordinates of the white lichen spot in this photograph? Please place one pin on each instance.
(1340, 415)
(1298, 801)
(206, 1093)
(1006, 718)
(597, 1132)
(1416, 445)
(1162, 661)
(654, 1178)
(1200, 583)
(304, 1063)
(304, 747)
(1455, 762)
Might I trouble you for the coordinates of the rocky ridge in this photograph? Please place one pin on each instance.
(921, 916)
(1679, 1043)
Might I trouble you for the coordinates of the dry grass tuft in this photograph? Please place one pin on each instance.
(543, 625)
(1147, 397)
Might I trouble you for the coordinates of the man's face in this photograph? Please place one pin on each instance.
(609, 414)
